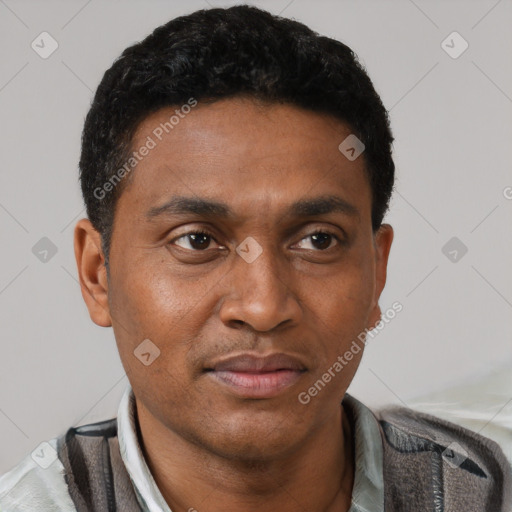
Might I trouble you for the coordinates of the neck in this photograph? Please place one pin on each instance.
(316, 476)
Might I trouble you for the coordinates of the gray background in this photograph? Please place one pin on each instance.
(451, 119)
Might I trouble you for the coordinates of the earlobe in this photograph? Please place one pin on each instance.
(375, 316)
(92, 272)
(383, 241)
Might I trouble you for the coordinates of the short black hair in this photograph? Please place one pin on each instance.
(219, 53)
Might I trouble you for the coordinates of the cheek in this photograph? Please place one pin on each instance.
(342, 307)
(147, 305)
(151, 320)
(345, 300)
(153, 300)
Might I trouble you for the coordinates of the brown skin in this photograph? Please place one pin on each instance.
(206, 447)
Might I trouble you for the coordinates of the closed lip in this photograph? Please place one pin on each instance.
(257, 363)
(257, 376)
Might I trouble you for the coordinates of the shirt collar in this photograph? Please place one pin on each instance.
(368, 491)
(147, 492)
(367, 494)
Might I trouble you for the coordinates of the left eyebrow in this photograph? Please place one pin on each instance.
(323, 205)
(308, 207)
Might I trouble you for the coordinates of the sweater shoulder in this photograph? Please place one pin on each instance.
(434, 461)
(40, 481)
(410, 430)
(37, 483)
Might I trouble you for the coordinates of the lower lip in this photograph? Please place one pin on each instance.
(257, 385)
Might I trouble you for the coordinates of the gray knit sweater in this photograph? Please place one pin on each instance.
(429, 465)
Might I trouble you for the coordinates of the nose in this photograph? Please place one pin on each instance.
(260, 295)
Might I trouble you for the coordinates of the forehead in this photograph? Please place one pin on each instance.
(244, 152)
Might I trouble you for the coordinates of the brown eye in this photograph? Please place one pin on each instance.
(195, 240)
(320, 240)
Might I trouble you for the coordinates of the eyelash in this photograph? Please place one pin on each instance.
(316, 232)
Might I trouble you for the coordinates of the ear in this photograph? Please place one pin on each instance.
(92, 272)
(382, 242)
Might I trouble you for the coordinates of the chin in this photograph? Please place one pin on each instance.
(252, 451)
(254, 439)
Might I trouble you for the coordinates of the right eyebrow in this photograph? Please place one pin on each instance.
(179, 205)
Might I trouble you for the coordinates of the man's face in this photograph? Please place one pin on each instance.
(285, 291)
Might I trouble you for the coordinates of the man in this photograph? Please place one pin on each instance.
(236, 168)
